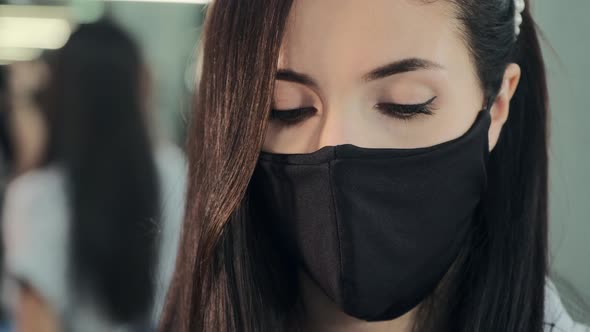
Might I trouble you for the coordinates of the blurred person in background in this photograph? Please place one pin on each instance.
(23, 136)
(22, 133)
(85, 230)
(25, 121)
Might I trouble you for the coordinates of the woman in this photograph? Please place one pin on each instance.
(367, 166)
(81, 232)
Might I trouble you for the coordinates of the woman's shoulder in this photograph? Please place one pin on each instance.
(34, 199)
(35, 195)
(36, 183)
(35, 230)
(557, 319)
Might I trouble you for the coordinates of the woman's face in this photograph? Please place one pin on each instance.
(375, 73)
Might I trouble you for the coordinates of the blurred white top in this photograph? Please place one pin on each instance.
(36, 230)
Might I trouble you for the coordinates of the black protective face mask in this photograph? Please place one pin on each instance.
(376, 229)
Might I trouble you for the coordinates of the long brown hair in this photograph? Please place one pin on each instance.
(228, 276)
(241, 42)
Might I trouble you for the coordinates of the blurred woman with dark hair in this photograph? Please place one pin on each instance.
(82, 231)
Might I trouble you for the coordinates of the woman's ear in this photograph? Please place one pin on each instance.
(501, 106)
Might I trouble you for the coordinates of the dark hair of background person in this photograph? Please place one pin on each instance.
(6, 155)
(98, 134)
(230, 277)
(6, 148)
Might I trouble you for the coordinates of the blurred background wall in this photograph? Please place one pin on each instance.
(567, 30)
(169, 34)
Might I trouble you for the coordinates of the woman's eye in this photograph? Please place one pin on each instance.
(406, 111)
(292, 116)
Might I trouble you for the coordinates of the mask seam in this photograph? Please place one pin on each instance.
(338, 231)
(372, 158)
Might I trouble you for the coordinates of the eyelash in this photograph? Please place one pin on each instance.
(407, 111)
(398, 111)
(293, 116)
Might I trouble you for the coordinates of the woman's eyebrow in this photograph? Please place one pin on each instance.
(397, 67)
(401, 66)
(293, 76)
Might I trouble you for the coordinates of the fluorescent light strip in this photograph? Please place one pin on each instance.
(33, 32)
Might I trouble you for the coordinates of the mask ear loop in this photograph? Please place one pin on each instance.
(489, 103)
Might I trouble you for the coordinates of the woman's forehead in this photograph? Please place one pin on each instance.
(352, 37)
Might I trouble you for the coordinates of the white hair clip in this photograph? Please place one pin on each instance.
(519, 8)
